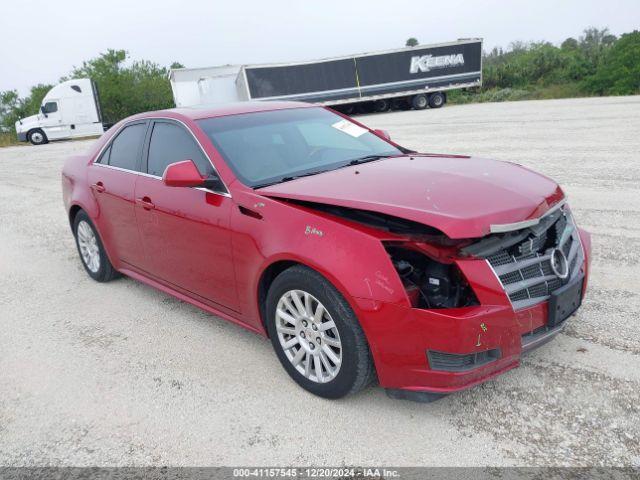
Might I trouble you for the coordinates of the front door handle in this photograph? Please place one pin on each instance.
(146, 203)
(98, 187)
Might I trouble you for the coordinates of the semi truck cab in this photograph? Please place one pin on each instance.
(71, 109)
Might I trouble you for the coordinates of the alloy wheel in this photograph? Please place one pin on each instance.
(88, 244)
(308, 336)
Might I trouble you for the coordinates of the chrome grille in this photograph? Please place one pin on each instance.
(524, 266)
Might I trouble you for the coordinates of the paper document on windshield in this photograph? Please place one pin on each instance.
(349, 128)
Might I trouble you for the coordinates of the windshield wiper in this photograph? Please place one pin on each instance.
(367, 158)
(291, 177)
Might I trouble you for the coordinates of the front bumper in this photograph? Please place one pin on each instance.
(22, 136)
(400, 336)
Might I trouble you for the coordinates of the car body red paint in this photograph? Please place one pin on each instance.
(203, 248)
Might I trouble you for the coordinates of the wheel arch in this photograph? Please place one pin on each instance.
(76, 208)
(279, 265)
(37, 129)
(73, 212)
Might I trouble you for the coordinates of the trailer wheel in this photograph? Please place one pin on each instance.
(37, 137)
(348, 109)
(419, 102)
(381, 105)
(436, 100)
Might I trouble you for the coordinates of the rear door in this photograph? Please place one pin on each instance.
(185, 231)
(112, 178)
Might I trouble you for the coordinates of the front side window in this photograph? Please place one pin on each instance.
(50, 107)
(171, 143)
(125, 148)
(269, 147)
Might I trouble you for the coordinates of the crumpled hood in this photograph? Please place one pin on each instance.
(461, 196)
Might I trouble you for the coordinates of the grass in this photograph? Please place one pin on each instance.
(7, 139)
(565, 90)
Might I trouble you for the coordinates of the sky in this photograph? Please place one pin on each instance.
(40, 41)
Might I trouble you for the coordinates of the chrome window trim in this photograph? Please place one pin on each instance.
(509, 227)
(226, 193)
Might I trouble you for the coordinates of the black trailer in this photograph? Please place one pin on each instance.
(409, 77)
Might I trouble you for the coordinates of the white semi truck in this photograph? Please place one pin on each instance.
(71, 109)
(411, 77)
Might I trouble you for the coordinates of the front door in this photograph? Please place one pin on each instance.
(51, 120)
(185, 231)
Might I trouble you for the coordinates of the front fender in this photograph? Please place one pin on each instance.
(352, 259)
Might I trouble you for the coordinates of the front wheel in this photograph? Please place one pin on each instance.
(37, 137)
(316, 334)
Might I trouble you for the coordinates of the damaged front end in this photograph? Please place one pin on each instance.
(429, 283)
(423, 256)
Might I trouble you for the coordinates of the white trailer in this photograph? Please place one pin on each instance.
(411, 77)
(71, 109)
(202, 86)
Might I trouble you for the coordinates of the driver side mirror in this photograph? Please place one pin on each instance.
(186, 174)
(383, 133)
(44, 112)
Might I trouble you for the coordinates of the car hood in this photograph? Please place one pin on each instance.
(461, 196)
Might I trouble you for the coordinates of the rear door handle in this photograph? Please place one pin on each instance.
(98, 187)
(146, 203)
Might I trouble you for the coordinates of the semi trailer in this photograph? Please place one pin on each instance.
(412, 77)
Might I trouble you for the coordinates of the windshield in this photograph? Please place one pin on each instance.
(270, 147)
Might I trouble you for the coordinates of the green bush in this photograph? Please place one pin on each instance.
(619, 72)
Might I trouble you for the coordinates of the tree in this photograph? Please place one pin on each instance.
(176, 65)
(619, 72)
(569, 44)
(13, 108)
(594, 43)
(126, 90)
(9, 109)
(411, 42)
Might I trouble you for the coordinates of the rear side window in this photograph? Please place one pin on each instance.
(125, 149)
(171, 143)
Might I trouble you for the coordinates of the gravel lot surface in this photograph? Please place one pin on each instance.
(121, 374)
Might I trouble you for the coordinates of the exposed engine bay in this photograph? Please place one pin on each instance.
(428, 283)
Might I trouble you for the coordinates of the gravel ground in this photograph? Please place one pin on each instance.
(120, 374)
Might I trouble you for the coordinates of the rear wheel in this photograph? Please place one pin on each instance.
(316, 334)
(37, 137)
(92, 253)
(419, 102)
(436, 100)
(381, 105)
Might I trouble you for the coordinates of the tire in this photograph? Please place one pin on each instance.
(381, 105)
(437, 100)
(103, 271)
(347, 109)
(419, 102)
(37, 137)
(363, 108)
(355, 370)
(403, 103)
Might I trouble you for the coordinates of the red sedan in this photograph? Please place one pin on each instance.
(358, 258)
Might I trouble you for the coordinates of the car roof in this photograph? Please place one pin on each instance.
(211, 111)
